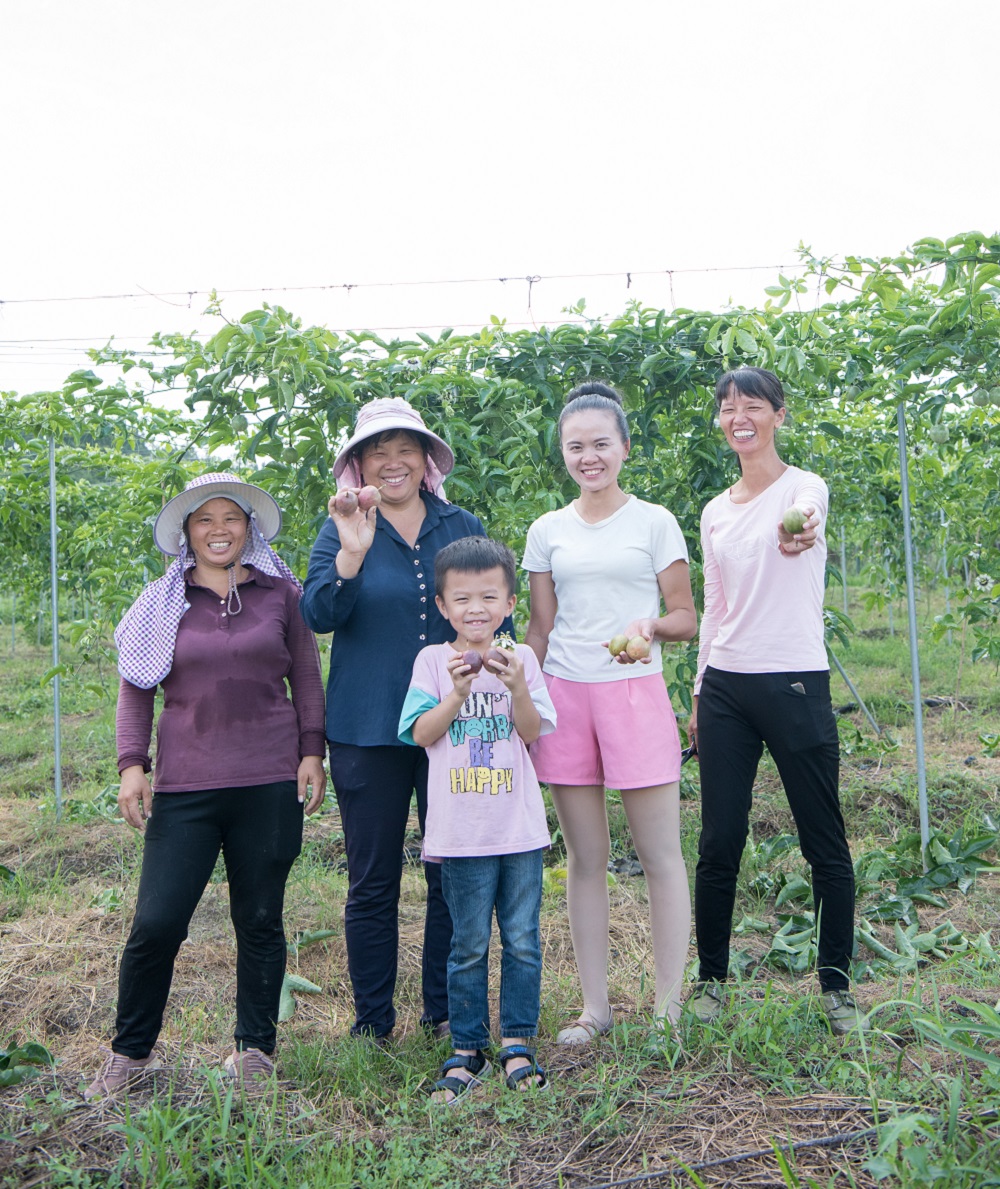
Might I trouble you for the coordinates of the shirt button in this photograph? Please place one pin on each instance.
(423, 598)
(423, 637)
(222, 602)
(416, 561)
(423, 586)
(417, 547)
(423, 616)
(223, 615)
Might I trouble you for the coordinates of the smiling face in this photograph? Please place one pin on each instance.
(395, 463)
(217, 532)
(475, 604)
(593, 449)
(748, 422)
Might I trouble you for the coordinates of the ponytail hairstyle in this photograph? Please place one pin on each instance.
(751, 381)
(600, 397)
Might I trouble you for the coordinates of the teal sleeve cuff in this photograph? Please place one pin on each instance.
(417, 702)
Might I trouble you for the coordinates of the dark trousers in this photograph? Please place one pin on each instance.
(374, 787)
(259, 832)
(738, 713)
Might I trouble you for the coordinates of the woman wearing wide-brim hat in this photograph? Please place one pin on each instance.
(371, 583)
(236, 761)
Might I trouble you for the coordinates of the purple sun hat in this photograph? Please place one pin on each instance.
(254, 501)
(386, 413)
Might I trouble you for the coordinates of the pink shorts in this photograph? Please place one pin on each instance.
(620, 734)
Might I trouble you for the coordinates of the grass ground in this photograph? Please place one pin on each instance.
(765, 1097)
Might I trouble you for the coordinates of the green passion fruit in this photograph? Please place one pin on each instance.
(793, 520)
(617, 645)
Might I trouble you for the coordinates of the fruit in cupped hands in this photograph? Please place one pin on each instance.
(498, 656)
(793, 520)
(369, 497)
(346, 503)
(617, 644)
(637, 648)
(473, 659)
(500, 652)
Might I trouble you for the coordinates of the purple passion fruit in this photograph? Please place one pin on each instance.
(369, 497)
(346, 503)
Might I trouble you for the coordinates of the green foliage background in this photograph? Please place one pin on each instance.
(270, 397)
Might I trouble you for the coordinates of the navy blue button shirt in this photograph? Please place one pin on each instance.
(380, 619)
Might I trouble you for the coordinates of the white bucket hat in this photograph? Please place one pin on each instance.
(392, 412)
(255, 501)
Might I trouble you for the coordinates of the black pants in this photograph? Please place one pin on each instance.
(374, 787)
(259, 831)
(737, 714)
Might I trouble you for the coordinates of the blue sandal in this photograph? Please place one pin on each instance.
(513, 1080)
(476, 1064)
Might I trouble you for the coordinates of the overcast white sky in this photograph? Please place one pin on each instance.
(195, 144)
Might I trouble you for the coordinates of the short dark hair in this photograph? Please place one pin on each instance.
(474, 555)
(596, 395)
(751, 381)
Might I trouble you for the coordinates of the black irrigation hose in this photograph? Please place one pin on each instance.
(826, 1141)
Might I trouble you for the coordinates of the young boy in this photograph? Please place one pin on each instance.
(485, 816)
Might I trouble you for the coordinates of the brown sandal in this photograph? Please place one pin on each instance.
(584, 1030)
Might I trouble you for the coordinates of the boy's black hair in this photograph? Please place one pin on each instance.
(474, 555)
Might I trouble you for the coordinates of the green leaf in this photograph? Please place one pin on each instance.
(286, 1002)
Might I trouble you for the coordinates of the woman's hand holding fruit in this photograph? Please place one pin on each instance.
(797, 530)
(353, 511)
(633, 644)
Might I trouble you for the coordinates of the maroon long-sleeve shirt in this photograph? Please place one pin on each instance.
(227, 721)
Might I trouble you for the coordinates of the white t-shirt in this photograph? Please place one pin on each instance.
(483, 796)
(763, 608)
(605, 577)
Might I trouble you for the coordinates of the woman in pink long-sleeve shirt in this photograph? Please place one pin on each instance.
(763, 679)
(237, 758)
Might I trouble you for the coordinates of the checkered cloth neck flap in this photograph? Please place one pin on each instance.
(148, 630)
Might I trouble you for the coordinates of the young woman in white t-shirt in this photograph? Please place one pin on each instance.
(763, 679)
(602, 567)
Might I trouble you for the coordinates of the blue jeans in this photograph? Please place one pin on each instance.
(473, 887)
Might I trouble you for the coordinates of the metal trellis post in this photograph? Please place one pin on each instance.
(54, 579)
(911, 609)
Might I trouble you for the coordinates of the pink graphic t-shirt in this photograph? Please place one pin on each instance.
(483, 797)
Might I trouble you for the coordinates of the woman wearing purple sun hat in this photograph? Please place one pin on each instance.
(236, 761)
